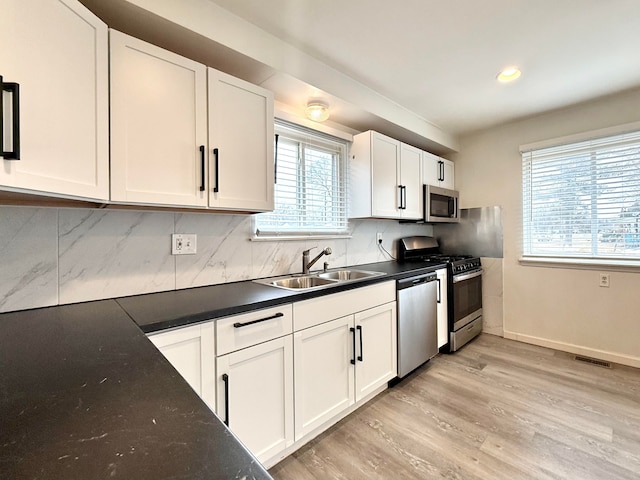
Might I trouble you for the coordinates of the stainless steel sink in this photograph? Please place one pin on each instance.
(317, 280)
(297, 283)
(346, 275)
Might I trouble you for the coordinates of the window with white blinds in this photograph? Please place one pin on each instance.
(310, 189)
(583, 199)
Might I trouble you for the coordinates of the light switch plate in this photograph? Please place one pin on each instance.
(183, 244)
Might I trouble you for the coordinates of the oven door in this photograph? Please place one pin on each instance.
(467, 298)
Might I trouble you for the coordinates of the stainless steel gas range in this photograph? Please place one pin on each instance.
(464, 292)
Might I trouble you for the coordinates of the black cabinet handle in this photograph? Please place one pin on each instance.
(439, 299)
(246, 324)
(353, 331)
(202, 168)
(403, 197)
(359, 327)
(441, 170)
(225, 379)
(14, 90)
(216, 159)
(275, 161)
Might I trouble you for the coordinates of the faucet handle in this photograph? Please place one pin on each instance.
(306, 252)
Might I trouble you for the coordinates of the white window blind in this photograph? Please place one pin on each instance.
(310, 190)
(583, 199)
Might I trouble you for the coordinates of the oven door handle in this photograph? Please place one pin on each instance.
(466, 276)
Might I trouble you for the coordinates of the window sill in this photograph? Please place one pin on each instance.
(621, 265)
(293, 238)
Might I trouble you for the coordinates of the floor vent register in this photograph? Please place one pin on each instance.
(593, 361)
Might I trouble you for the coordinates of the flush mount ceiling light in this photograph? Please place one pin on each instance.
(317, 111)
(509, 74)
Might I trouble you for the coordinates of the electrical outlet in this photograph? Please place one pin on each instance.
(379, 238)
(604, 280)
(183, 244)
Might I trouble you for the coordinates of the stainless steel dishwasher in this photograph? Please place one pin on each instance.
(417, 321)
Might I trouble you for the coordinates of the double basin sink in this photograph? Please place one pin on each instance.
(318, 280)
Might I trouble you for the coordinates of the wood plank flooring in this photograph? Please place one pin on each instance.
(497, 409)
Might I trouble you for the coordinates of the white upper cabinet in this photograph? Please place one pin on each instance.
(411, 182)
(437, 171)
(241, 144)
(57, 52)
(158, 125)
(385, 178)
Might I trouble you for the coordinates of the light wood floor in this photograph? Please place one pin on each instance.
(497, 409)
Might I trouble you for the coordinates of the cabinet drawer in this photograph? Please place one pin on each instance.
(240, 331)
(322, 309)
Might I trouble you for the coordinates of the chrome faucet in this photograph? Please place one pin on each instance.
(306, 264)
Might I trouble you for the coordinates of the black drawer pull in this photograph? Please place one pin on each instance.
(359, 327)
(246, 324)
(225, 379)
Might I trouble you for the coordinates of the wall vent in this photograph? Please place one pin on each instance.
(593, 361)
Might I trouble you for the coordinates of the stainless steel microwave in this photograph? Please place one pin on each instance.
(440, 205)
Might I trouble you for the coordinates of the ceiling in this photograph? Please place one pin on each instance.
(439, 59)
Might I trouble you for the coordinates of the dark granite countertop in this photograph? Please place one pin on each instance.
(159, 311)
(84, 395)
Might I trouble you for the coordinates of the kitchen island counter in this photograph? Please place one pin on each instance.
(84, 395)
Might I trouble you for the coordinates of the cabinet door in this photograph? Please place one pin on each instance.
(56, 50)
(241, 142)
(158, 125)
(255, 395)
(376, 334)
(442, 313)
(431, 171)
(191, 351)
(448, 175)
(385, 176)
(411, 181)
(324, 374)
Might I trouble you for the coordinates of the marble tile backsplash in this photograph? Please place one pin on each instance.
(28, 258)
(55, 256)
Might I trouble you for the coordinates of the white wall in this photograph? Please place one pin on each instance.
(556, 307)
(55, 256)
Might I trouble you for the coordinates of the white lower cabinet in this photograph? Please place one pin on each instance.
(341, 361)
(324, 377)
(283, 374)
(254, 379)
(376, 344)
(191, 351)
(442, 313)
(255, 396)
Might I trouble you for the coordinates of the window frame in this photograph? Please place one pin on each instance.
(307, 138)
(572, 260)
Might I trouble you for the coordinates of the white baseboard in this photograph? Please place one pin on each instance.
(575, 349)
